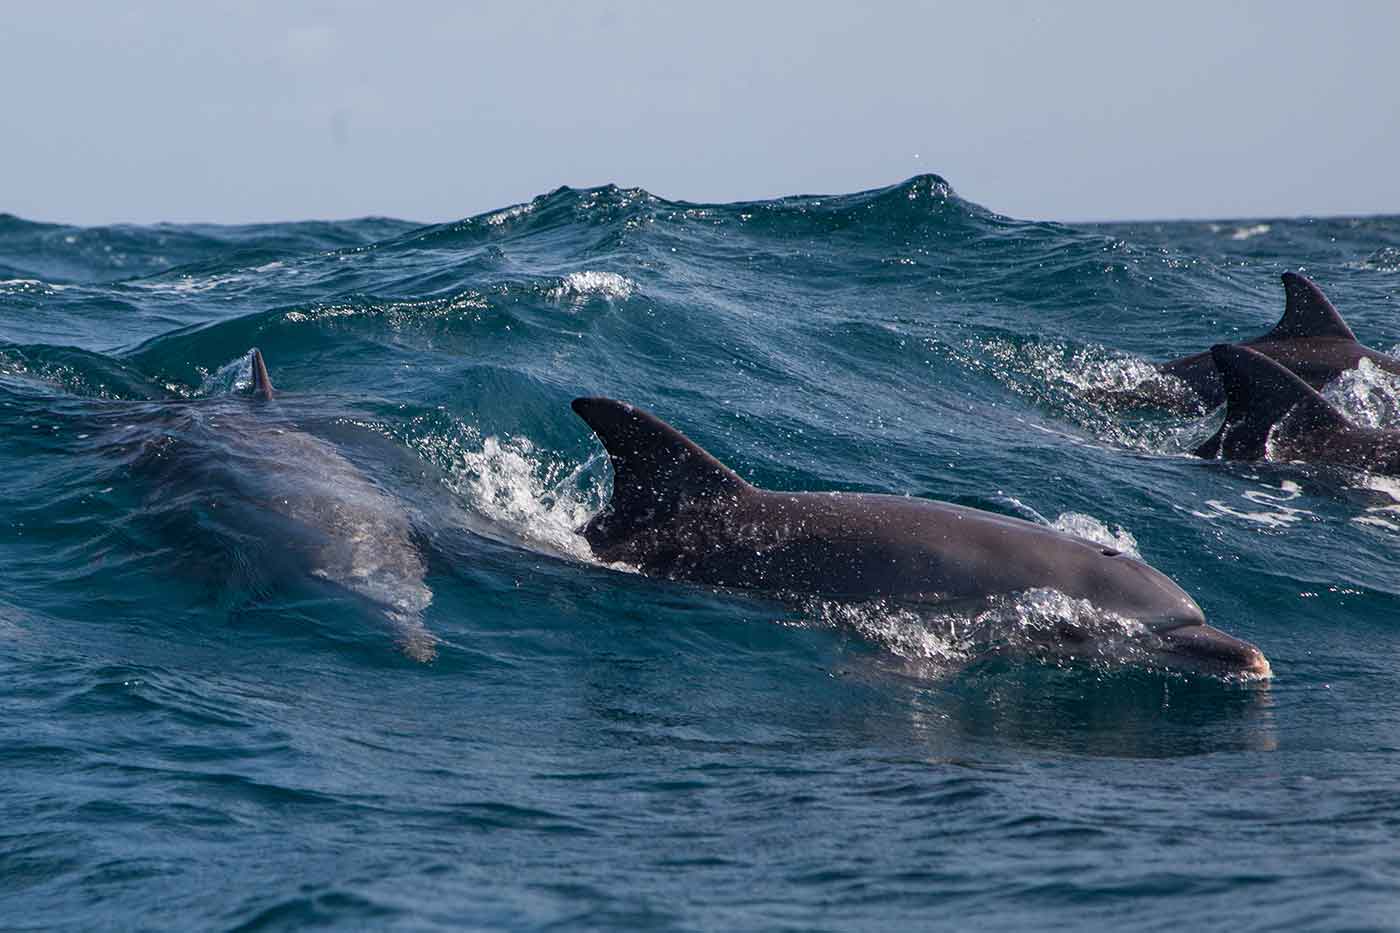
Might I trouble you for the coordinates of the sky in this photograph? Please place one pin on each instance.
(256, 111)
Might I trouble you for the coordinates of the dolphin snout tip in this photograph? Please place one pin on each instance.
(1257, 666)
(1209, 649)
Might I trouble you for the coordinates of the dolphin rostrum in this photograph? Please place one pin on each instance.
(677, 512)
(1272, 414)
(1311, 340)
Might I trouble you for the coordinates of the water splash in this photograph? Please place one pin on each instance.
(1385, 259)
(1041, 624)
(1082, 525)
(1367, 394)
(1091, 529)
(1090, 386)
(233, 377)
(539, 498)
(525, 494)
(578, 287)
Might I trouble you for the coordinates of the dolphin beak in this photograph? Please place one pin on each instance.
(1211, 650)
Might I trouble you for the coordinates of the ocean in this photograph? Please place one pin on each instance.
(443, 713)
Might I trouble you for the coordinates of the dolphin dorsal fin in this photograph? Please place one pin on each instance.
(262, 382)
(1307, 312)
(657, 470)
(1258, 394)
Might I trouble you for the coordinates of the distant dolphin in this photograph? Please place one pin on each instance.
(1311, 340)
(1272, 414)
(285, 503)
(677, 512)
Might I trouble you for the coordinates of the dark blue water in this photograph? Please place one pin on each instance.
(439, 712)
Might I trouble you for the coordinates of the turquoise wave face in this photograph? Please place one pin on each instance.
(346, 653)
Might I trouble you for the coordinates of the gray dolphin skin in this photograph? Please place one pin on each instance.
(1311, 340)
(1272, 414)
(677, 512)
(286, 505)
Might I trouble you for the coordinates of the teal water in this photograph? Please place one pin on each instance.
(439, 712)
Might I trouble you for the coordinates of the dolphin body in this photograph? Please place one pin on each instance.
(1272, 414)
(280, 504)
(1311, 340)
(677, 512)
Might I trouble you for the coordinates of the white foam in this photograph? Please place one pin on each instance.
(1366, 394)
(1387, 485)
(396, 313)
(1084, 526)
(1273, 514)
(582, 285)
(1036, 623)
(527, 494)
(1385, 259)
(1087, 382)
(1249, 233)
(902, 631)
(193, 285)
(1381, 516)
(20, 286)
(1091, 529)
(509, 213)
(189, 284)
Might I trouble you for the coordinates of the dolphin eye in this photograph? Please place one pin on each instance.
(1110, 552)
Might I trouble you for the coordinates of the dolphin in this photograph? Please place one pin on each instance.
(280, 504)
(1311, 340)
(1272, 414)
(678, 513)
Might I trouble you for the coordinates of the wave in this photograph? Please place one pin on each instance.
(63, 253)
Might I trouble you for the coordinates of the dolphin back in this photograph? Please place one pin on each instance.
(657, 470)
(1258, 394)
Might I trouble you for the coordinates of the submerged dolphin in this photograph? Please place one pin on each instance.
(679, 513)
(1311, 340)
(1272, 414)
(283, 504)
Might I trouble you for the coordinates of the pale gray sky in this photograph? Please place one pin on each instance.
(245, 111)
